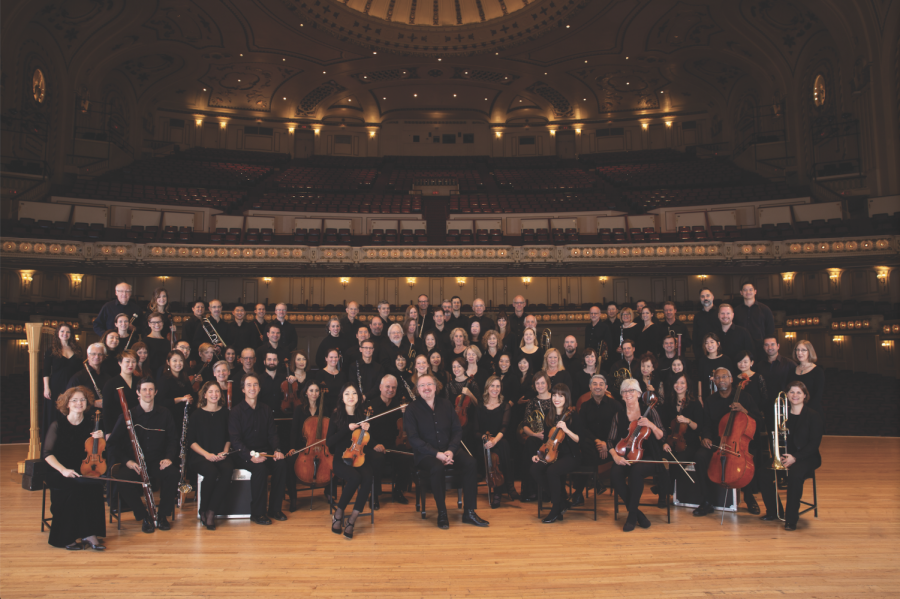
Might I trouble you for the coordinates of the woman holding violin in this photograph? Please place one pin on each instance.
(628, 473)
(357, 480)
(463, 392)
(208, 438)
(492, 425)
(650, 380)
(560, 454)
(685, 414)
(77, 506)
(533, 429)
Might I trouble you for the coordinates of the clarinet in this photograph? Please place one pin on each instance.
(412, 396)
(139, 456)
(184, 487)
(359, 380)
(96, 389)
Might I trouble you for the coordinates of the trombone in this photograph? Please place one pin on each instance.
(545, 339)
(214, 337)
(779, 445)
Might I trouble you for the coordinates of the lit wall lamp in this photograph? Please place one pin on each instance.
(668, 124)
(882, 277)
(703, 278)
(345, 281)
(223, 124)
(838, 338)
(888, 344)
(790, 335)
(645, 126)
(291, 129)
(788, 278)
(199, 122)
(526, 281)
(603, 281)
(552, 132)
(498, 134)
(411, 281)
(165, 279)
(76, 281)
(461, 282)
(834, 274)
(371, 134)
(578, 131)
(267, 280)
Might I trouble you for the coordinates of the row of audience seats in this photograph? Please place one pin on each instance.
(480, 237)
(344, 203)
(530, 203)
(555, 236)
(403, 180)
(406, 237)
(220, 199)
(644, 201)
(174, 170)
(706, 173)
(309, 177)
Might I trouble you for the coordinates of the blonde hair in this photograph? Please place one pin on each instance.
(809, 347)
(464, 334)
(559, 366)
(522, 341)
(487, 384)
(487, 335)
(628, 311)
(475, 349)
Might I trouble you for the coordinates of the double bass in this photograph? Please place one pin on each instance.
(631, 447)
(314, 463)
(94, 465)
(732, 465)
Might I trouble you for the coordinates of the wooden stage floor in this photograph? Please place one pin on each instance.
(851, 550)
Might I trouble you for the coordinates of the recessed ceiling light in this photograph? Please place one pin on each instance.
(584, 99)
(204, 89)
(467, 72)
(485, 99)
(415, 95)
(285, 98)
(520, 101)
(585, 62)
(323, 72)
(439, 60)
(374, 52)
(662, 92)
(567, 26)
(545, 73)
(384, 98)
(241, 54)
(239, 80)
(454, 95)
(626, 58)
(626, 83)
(496, 54)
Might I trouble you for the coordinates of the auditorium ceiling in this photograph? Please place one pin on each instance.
(368, 61)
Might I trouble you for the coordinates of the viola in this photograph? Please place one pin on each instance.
(290, 400)
(463, 404)
(493, 475)
(676, 439)
(94, 465)
(402, 441)
(549, 451)
(353, 455)
(197, 379)
(732, 465)
(314, 463)
(631, 447)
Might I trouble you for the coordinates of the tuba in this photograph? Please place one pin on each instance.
(545, 339)
(779, 442)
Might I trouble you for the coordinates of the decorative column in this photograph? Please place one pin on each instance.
(33, 334)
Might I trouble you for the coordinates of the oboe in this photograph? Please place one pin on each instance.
(139, 456)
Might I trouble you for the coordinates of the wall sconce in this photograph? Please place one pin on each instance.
(645, 126)
(76, 280)
(882, 277)
(834, 274)
(461, 282)
(838, 338)
(27, 276)
(223, 124)
(888, 344)
(668, 124)
(411, 281)
(526, 281)
(578, 131)
(603, 281)
(267, 280)
(199, 122)
(23, 342)
(790, 335)
(498, 134)
(291, 129)
(316, 131)
(552, 132)
(788, 278)
(703, 277)
(371, 134)
(345, 281)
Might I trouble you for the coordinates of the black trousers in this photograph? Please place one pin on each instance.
(216, 480)
(532, 444)
(554, 476)
(259, 474)
(468, 469)
(356, 480)
(502, 453)
(401, 468)
(168, 486)
(701, 456)
(590, 457)
(797, 474)
(629, 482)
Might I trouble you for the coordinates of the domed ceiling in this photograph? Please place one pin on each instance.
(436, 12)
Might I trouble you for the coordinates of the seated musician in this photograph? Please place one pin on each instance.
(492, 421)
(357, 479)
(718, 405)
(532, 427)
(158, 438)
(565, 418)
(251, 428)
(312, 405)
(384, 434)
(802, 457)
(630, 490)
(597, 414)
(683, 407)
(92, 375)
(207, 437)
(435, 434)
(78, 511)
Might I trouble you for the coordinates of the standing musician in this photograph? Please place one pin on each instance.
(529, 350)
(668, 355)
(396, 345)
(684, 408)
(215, 326)
(377, 334)
(251, 428)
(630, 490)
(460, 383)
(240, 332)
(248, 363)
(110, 365)
(157, 344)
(425, 311)
(556, 371)
(384, 311)
(332, 378)
(207, 436)
(777, 371)
(487, 324)
(649, 332)
(160, 305)
(438, 325)
(298, 368)
(584, 370)
(534, 429)
(61, 360)
(357, 479)
(625, 368)
(565, 418)
(734, 337)
(597, 334)
(158, 438)
(123, 304)
(718, 405)
(260, 325)
(174, 392)
(333, 340)
(474, 370)
(435, 435)
(384, 432)
(222, 375)
(674, 327)
(367, 370)
(288, 331)
(597, 415)
(128, 335)
(459, 343)
(492, 349)
(111, 407)
(571, 357)
(91, 375)
(802, 458)
(191, 365)
(516, 323)
(350, 324)
(756, 317)
(191, 326)
(140, 348)
(492, 423)
(705, 321)
(274, 345)
(77, 509)
(207, 356)
(711, 360)
(271, 395)
(457, 319)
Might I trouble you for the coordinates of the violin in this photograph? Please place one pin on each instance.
(197, 379)
(290, 400)
(314, 463)
(732, 465)
(353, 455)
(631, 447)
(94, 465)
(676, 438)
(549, 451)
(402, 441)
(462, 404)
(493, 476)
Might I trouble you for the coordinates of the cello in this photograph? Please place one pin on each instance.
(462, 404)
(732, 465)
(631, 447)
(314, 463)
(94, 465)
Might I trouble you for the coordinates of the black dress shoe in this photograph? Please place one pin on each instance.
(292, 505)
(513, 494)
(577, 499)
(279, 515)
(261, 520)
(553, 518)
(752, 506)
(443, 521)
(76, 546)
(768, 517)
(399, 498)
(97, 547)
(630, 522)
(376, 504)
(642, 520)
(470, 517)
(790, 526)
(704, 509)
(147, 525)
(663, 501)
(495, 501)
(163, 524)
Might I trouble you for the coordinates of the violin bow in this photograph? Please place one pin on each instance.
(680, 466)
(466, 448)
(377, 416)
(395, 451)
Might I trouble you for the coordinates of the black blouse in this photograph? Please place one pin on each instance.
(815, 384)
(157, 349)
(694, 411)
(340, 437)
(65, 441)
(209, 430)
(59, 370)
(493, 421)
(569, 447)
(535, 360)
(301, 413)
(167, 389)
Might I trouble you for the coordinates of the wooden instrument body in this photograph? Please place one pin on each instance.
(492, 467)
(734, 469)
(676, 438)
(402, 441)
(631, 447)
(93, 464)
(313, 465)
(228, 395)
(549, 451)
(290, 400)
(139, 457)
(354, 455)
(463, 404)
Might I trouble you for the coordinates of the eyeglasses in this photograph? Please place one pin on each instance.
(74, 400)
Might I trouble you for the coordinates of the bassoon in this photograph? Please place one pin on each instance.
(139, 456)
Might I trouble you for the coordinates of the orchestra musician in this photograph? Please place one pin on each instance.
(331, 377)
(333, 340)
(91, 375)
(350, 324)
(128, 335)
(207, 437)
(357, 479)
(367, 370)
(625, 368)
(174, 391)
(157, 344)
(260, 325)
(272, 345)
(191, 326)
(240, 332)
(597, 335)
(110, 365)
(76, 505)
(674, 327)
(216, 325)
(529, 350)
(160, 305)
(383, 440)
(486, 323)
(248, 366)
(811, 375)
(123, 304)
(435, 434)
(158, 437)
(492, 422)
(533, 426)
(597, 414)
(556, 371)
(61, 361)
(124, 378)
(474, 370)
(140, 349)
(288, 332)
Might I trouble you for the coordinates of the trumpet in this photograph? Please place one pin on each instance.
(545, 339)
(779, 444)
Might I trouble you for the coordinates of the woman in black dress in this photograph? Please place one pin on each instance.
(650, 380)
(474, 333)
(61, 361)
(811, 375)
(756, 383)
(427, 343)
(160, 305)
(650, 336)
(174, 391)
(141, 369)
(628, 330)
(492, 425)
(555, 369)
(553, 475)
(676, 369)
(332, 340)
(459, 343)
(157, 344)
(77, 506)
(330, 378)
(356, 480)
(125, 379)
(529, 350)
(707, 364)
(436, 360)
(310, 406)
(581, 378)
(532, 427)
(110, 366)
(474, 366)
(128, 335)
(298, 368)
(208, 438)
(491, 350)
